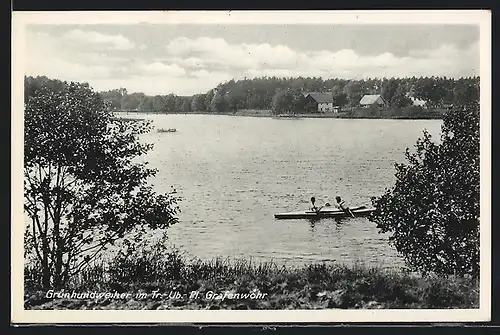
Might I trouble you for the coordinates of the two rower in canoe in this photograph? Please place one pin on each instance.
(340, 204)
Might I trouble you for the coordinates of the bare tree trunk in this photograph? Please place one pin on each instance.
(56, 237)
(46, 276)
(59, 245)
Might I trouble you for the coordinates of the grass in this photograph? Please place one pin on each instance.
(316, 286)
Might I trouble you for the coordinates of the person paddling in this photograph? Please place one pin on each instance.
(342, 206)
(313, 207)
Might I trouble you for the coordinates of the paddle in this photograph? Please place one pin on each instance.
(348, 210)
(319, 209)
(341, 206)
(316, 209)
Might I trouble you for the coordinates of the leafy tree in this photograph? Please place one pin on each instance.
(338, 95)
(431, 90)
(83, 186)
(388, 89)
(432, 212)
(171, 103)
(231, 101)
(353, 91)
(198, 102)
(114, 98)
(219, 102)
(465, 93)
(35, 84)
(208, 97)
(145, 104)
(132, 101)
(289, 101)
(340, 99)
(298, 101)
(400, 99)
(158, 103)
(186, 105)
(282, 102)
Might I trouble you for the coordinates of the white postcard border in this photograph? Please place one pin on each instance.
(21, 19)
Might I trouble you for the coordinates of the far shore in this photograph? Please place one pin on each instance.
(432, 115)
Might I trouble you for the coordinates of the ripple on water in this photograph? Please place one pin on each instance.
(235, 173)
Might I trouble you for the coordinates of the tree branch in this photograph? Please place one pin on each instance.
(35, 242)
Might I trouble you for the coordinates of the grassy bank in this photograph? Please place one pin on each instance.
(222, 284)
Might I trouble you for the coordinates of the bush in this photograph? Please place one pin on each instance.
(432, 212)
(146, 262)
(83, 187)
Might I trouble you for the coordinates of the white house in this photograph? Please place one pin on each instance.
(323, 100)
(372, 99)
(418, 102)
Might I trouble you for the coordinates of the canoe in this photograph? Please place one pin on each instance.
(326, 212)
(170, 130)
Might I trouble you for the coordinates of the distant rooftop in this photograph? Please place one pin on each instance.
(369, 99)
(320, 97)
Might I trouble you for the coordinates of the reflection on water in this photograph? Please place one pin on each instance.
(235, 173)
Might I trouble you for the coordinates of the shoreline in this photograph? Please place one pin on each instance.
(243, 285)
(268, 114)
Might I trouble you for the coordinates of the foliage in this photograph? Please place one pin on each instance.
(120, 100)
(84, 188)
(34, 84)
(353, 90)
(186, 106)
(146, 262)
(400, 98)
(388, 89)
(282, 102)
(207, 100)
(219, 102)
(258, 93)
(432, 212)
(198, 102)
(315, 286)
(115, 98)
(288, 101)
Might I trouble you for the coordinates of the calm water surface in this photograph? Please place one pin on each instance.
(235, 173)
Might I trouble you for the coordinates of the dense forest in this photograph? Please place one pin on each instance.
(286, 94)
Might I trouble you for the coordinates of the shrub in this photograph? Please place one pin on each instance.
(83, 187)
(432, 212)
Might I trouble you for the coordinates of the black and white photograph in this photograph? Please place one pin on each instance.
(288, 166)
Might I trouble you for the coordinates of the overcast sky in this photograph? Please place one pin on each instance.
(188, 59)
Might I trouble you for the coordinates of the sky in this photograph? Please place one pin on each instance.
(187, 59)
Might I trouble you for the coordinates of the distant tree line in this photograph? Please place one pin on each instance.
(285, 95)
(121, 100)
(118, 99)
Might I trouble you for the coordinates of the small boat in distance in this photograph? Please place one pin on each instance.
(169, 130)
(325, 212)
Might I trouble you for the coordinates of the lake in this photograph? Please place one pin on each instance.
(235, 173)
